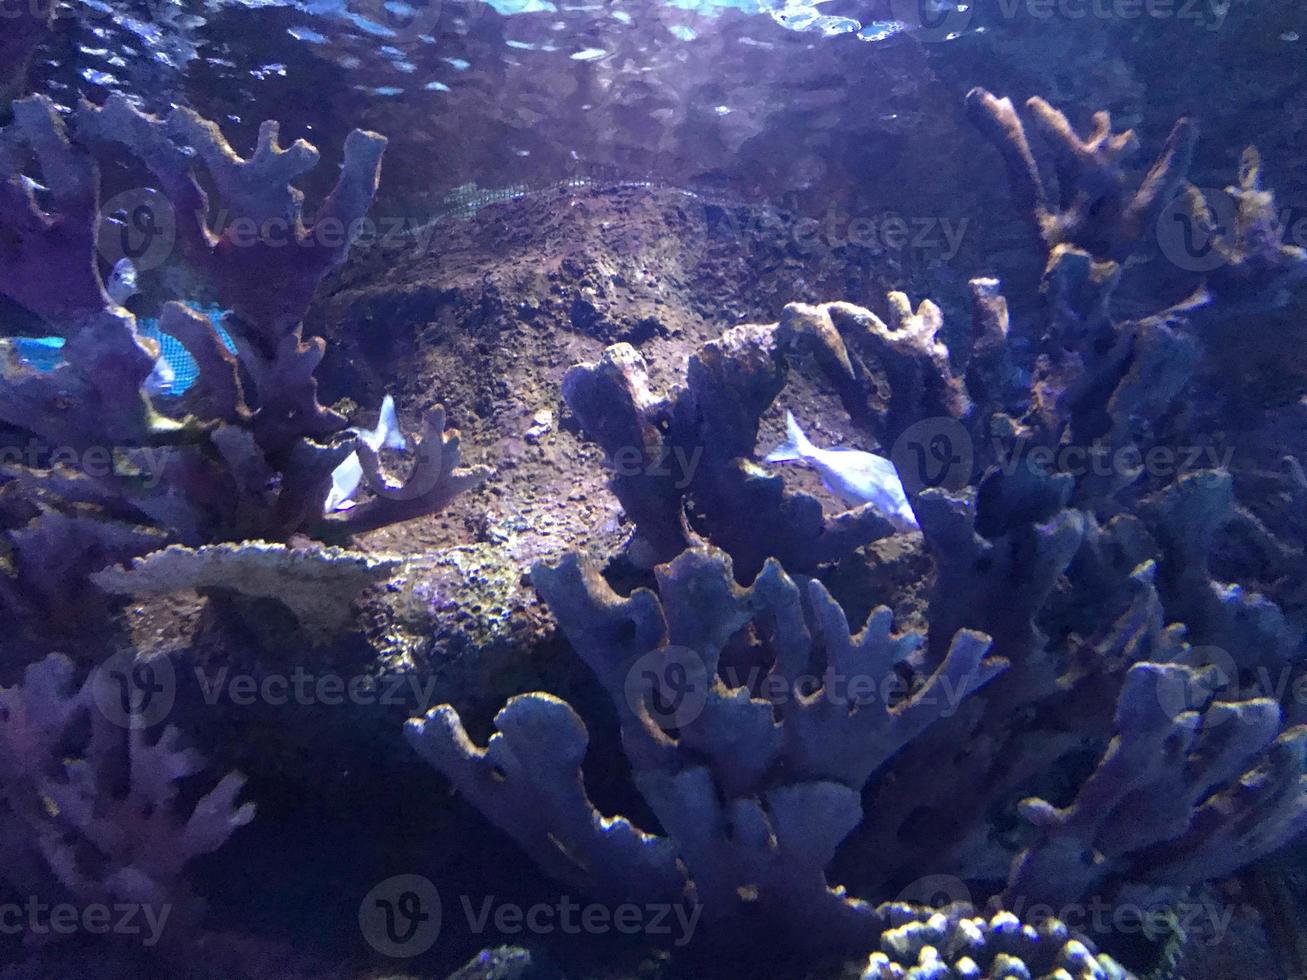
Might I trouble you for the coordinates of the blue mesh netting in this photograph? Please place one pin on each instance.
(43, 353)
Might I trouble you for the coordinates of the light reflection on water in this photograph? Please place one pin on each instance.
(756, 97)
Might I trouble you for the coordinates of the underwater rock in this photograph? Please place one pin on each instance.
(317, 585)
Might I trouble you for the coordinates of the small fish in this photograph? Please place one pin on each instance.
(853, 475)
(161, 379)
(122, 282)
(121, 286)
(346, 477)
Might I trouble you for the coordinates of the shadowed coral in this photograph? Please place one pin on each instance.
(1205, 778)
(97, 812)
(757, 784)
(1092, 206)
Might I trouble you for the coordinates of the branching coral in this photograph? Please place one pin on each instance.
(759, 781)
(696, 444)
(1092, 757)
(249, 461)
(1092, 206)
(89, 802)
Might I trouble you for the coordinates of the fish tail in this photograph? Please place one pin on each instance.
(388, 426)
(796, 445)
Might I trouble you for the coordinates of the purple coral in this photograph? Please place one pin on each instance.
(93, 804)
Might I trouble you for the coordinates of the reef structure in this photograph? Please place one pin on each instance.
(1091, 754)
(246, 454)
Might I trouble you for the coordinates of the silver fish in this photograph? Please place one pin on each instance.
(855, 476)
(347, 476)
(122, 282)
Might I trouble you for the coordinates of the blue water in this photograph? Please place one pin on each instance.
(43, 353)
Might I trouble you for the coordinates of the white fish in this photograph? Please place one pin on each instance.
(855, 476)
(346, 477)
(122, 286)
(161, 379)
(122, 282)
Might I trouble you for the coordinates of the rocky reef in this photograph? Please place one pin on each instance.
(108, 474)
(818, 740)
(1074, 615)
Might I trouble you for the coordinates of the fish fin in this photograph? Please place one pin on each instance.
(345, 480)
(796, 445)
(387, 432)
